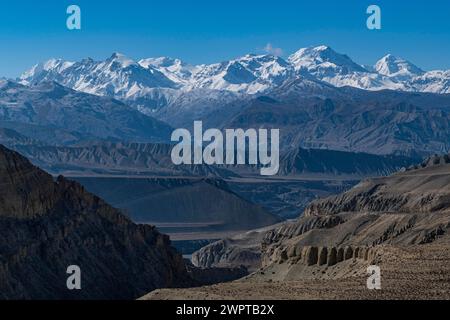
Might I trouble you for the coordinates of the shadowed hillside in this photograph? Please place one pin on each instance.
(48, 225)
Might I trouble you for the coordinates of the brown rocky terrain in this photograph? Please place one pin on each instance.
(47, 225)
(414, 191)
(414, 272)
(399, 223)
(240, 250)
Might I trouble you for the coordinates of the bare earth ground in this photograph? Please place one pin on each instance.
(414, 272)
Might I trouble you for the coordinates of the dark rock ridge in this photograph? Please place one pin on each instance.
(206, 201)
(154, 158)
(422, 190)
(322, 161)
(106, 158)
(59, 115)
(434, 160)
(47, 225)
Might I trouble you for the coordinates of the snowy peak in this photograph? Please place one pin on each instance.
(337, 69)
(267, 68)
(161, 62)
(118, 76)
(248, 74)
(45, 71)
(122, 60)
(323, 57)
(261, 63)
(174, 69)
(53, 64)
(393, 66)
(436, 81)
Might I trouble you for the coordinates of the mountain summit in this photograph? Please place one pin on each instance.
(323, 59)
(392, 66)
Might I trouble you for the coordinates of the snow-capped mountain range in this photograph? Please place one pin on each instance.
(150, 84)
(317, 97)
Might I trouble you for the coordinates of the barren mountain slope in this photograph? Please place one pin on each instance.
(400, 223)
(47, 226)
(416, 272)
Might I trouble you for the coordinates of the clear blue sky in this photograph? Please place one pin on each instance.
(213, 31)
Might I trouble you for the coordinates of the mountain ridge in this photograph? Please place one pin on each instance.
(76, 115)
(125, 78)
(47, 225)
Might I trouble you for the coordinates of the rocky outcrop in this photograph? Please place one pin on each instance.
(434, 160)
(310, 255)
(323, 161)
(240, 250)
(296, 229)
(348, 253)
(332, 257)
(408, 208)
(418, 191)
(352, 237)
(340, 255)
(323, 256)
(47, 225)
